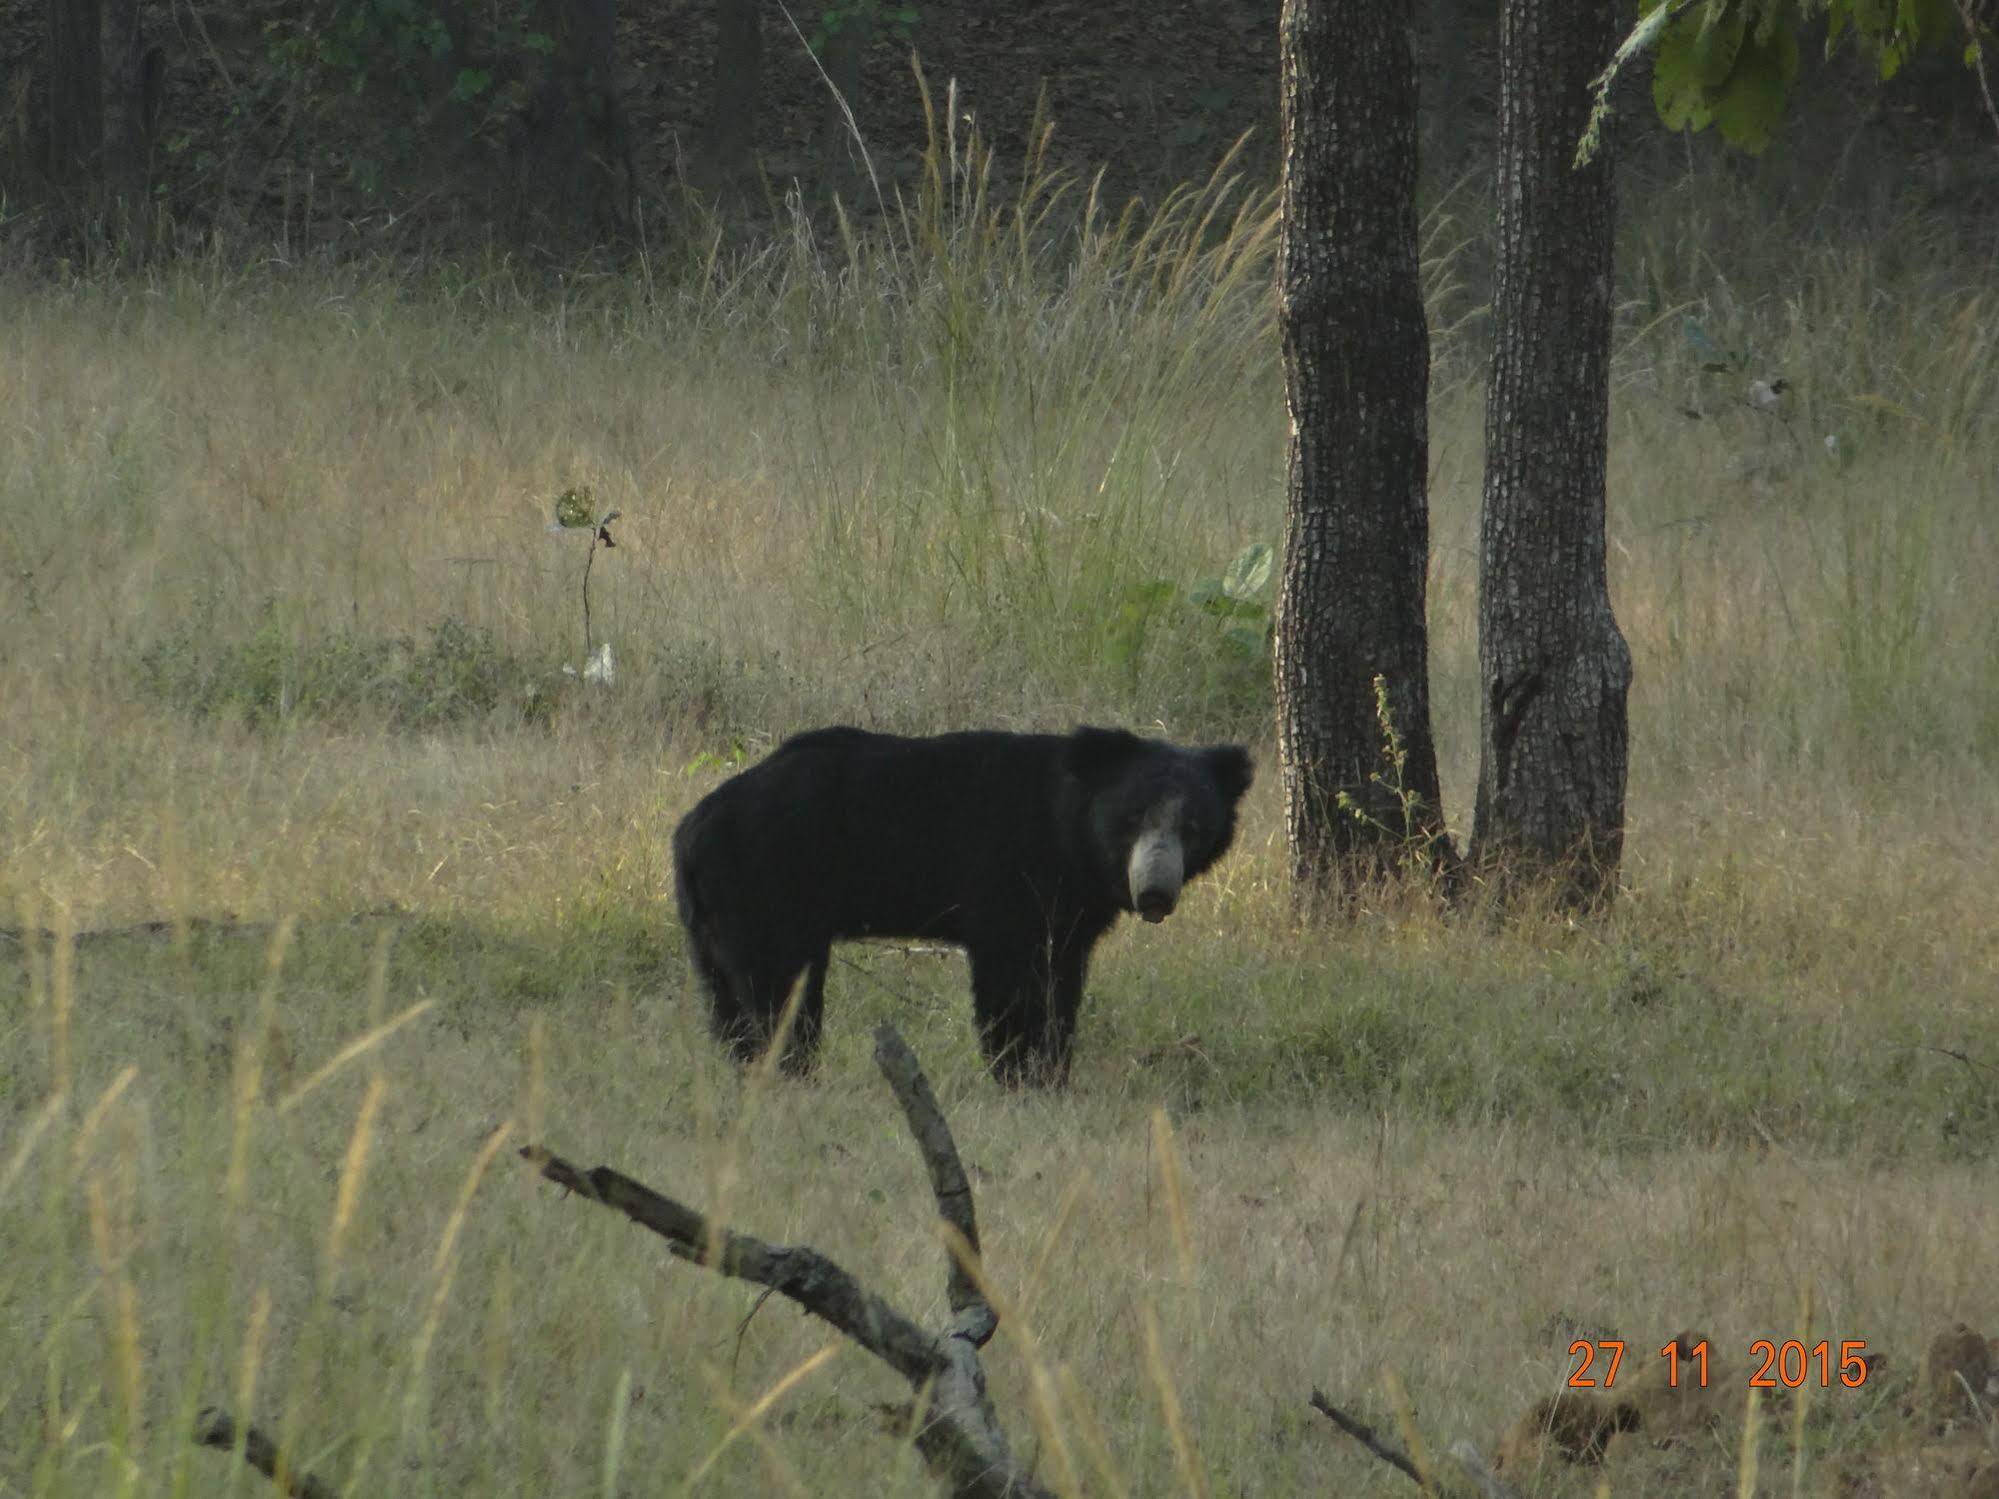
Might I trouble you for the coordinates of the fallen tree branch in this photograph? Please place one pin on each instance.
(214, 1428)
(1364, 1434)
(1466, 1454)
(803, 1274)
(956, 1429)
(973, 1319)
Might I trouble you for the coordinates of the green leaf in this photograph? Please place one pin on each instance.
(1227, 608)
(1655, 17)
(1751, 105)
(1718, 42)
(574, 507)
(1126, 636)
(1250, 572)
(1676, 86)
(1251, 640)
(470, 83)
(1205, 592)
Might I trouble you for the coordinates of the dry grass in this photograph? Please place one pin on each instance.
(904, 485)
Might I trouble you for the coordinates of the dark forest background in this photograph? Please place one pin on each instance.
(421, 125)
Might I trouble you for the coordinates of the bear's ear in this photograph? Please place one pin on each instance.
(1094, 755)
(1232, 769)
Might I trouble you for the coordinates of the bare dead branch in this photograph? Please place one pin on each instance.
(214, 1428)
(956, 1429)
(804, 1275)
(1364, 1434)
(973, 1319)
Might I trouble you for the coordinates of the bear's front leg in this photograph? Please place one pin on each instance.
(1011, 1001)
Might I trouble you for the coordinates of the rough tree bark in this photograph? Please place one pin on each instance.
(1553, 665)
(76, 90)
(1357, 374)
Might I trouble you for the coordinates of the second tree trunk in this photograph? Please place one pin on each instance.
(1553, 666)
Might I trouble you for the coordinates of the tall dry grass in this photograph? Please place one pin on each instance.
(908, 477)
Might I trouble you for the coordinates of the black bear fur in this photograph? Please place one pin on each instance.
(1022, 849)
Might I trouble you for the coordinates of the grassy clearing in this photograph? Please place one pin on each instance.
(283, 636)
(1329, 1239)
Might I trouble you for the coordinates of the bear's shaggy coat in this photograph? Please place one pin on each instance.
(1021, 848)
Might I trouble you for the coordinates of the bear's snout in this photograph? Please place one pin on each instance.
(1156, 872)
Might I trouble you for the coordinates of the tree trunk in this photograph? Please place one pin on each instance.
(123, 97)
(574, 172)
(1357, 374)
(732, 90)
(76, 91)
(1553, 665)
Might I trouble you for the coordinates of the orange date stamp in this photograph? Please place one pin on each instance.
(1787, 1365)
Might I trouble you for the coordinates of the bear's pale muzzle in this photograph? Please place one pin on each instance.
(1157, 872)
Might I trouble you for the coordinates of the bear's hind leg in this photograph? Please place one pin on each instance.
(801, 1049)
(724, 990)
(1065, 1000)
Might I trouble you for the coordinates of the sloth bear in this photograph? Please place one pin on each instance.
(1022, 849)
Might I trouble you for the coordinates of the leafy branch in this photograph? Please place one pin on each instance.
(1731, 63)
